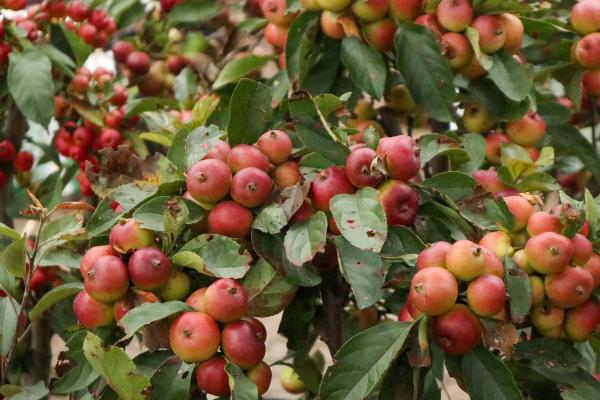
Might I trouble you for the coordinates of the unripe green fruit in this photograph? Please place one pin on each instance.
(177, 286)
(291, 382)
(538, 293)
(334, 5)
(477, 119)
(547, 317)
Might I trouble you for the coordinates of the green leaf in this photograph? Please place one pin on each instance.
(305, 239)
(116, 368)
(538, 181)
(189, 147)
(9, 232)
(219, 256)
(237, 69)
(252, 24)
(313, 131)
(510, 76)
(370, 73)
(172, 380)
(401, 241)
(70, 43)
(194, 12)
(495, 101)
(81, 374)
(242, 388)
(269, 291)
(496, 6)
(54, 296)
(143, 104)
(567, 140)
(426, 71)
(31, 85)
(29, 392)
(270, 219)
(250, 110)
(363, 270)
(13, 258)
(435, 145)
(103, 218)
(474, 145)
(455, 184)
(146, 313)
(559, 354)
(361, 219)
(9, 315)
(161, 138)
(498, 211)
(363, 360)
(185, 84)
(518, 289)
(554, 113)
(487, 378)
(300, 41)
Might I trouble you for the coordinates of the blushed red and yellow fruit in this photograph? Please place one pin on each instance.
(194, 337)
(433, 290)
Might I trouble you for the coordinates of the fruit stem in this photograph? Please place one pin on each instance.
(423, 341)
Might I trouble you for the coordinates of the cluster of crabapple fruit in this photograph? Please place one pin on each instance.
(80, 141)
(219, 321)
(131, 270)
(562, 273)
(22, 161)
(95, 26)
(585, 19)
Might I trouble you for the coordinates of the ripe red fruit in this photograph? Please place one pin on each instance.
(127, 235)
(473, 69)
(455, 15)
(593, 267)
(212, 378)
(261, 331)
(149, 268)
(491, 33)
(122, 50)
(493, 264)
(230, 219)
(241, 344)
(433, 290)
(138, 62)
(119, 98)
(521, 209)
(400, 156)
(405, 10)
(585, 16)
(457, 49)
(194, 337)
(23, 161)
(547, 317)
(287, 174)
(303, 213)
(167, 5)
(582, 321)
(251, 187)
(7, 151)
(108, 138)
(176, 63)
(549, 252)
(466, 260)
(360, 169)
(591, 82)
(569, 288)
(196, 300)
(88, 33)
(431, 22)
(541, 221)
(486, 295)
(399, 202)
(82, 136)
(92, 313)
(499, 242)
(106, 279)
(329, 183)
(114, 118)
(275, 11)
(78, 10)
(244, 156)
(433, 256)
(208, 181)
(276, 35)
(330, 25)
(587, 51)
(226, 300)
(582, 249)
(380, 34)
(219, 151)
(493, 146)
(488, 180)
(514, 29)
(38, 280)
(15, 5)
(4, 53)
(527, 131)
(458, 331)
(261, 375)
(276, 145)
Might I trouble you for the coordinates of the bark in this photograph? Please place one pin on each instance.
(334, 293)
